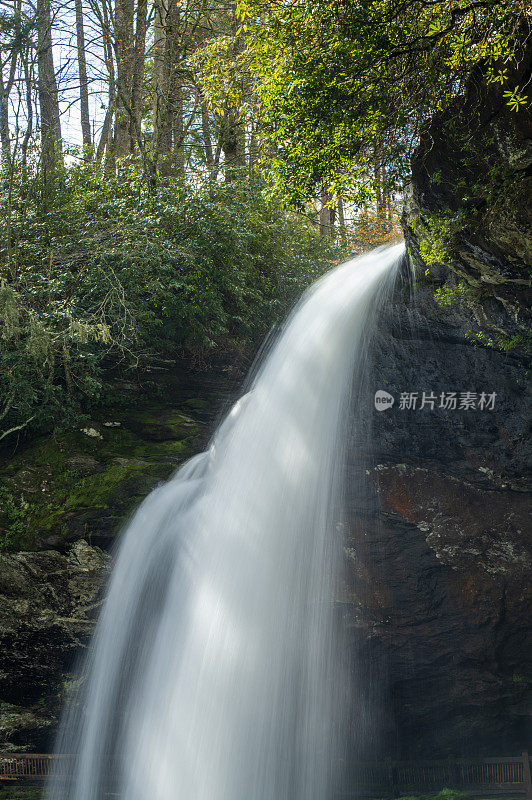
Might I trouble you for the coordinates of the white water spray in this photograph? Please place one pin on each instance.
(214, 672)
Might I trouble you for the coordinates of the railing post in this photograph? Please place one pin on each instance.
(527, 780)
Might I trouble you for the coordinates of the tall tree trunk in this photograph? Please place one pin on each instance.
(326, 217)
(4, 122)
(233, 145)
(83, 83)
(378, 181)
(341, 220)
(105, 145)
(28, 85)
(178, 133)
(138, 72)
(168, 100)
(105, 135)
(254, 153)
(162, 123)
(48, 94)
(5, 89)
(125, 59)
(232, 126)
(206, 132)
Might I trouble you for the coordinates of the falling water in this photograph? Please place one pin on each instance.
(215, 673)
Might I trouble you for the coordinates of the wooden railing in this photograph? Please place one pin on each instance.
(14, 766)
(378, 779)
(503, 775)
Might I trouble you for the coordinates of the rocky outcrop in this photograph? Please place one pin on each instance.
(48, 606)
(437, 598)
(442, 544)
(470, 204)
(86, 482)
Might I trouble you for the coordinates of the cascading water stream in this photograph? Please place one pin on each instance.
(215, 672)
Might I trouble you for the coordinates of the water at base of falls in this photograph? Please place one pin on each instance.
(215, 671)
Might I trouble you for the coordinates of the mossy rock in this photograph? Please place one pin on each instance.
(167, 425)
(87, 482)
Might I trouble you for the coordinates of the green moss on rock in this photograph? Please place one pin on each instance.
(86, 482)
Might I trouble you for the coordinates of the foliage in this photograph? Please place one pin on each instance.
(342, 83)
(370, 229)
(15, 512)
(459, 294)
(519, 341)
(112, 276)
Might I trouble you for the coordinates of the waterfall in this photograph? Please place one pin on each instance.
(215, 671)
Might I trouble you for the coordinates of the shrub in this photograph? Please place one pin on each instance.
(112, 276)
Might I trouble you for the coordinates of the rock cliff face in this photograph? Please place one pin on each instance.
(81, 483)
(470, 204)
(48, 606)
(437, 597)
(439, 548)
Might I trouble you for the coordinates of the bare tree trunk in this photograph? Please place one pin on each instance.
(138, 72)
(326, 218)
(206, 132)
(48, 93)
(378, 181)
(162, 122)
(254, 153)
(341, 220)
(5, 89)
(83, 84)
(106, 136)
(125, 59)
(4, 121)
(168, 119)
(28, 83)
(233, 145)
(178, 133)
(232, 127)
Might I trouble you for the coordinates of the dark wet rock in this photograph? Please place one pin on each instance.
(81, 483)
(469, 211)
(48, 605)
(438, 547)
(444, 599)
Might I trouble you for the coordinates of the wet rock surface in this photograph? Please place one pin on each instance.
(470, 202)
(48, 605)
(63, 502)
(86, 482)
(437, 598)
(451, 543)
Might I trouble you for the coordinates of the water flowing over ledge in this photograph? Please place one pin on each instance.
(215, 672)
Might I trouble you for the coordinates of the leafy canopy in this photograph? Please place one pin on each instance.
(342, 82)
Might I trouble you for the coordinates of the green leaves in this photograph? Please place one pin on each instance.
(514, 99)
(338, 79)
(115, 277)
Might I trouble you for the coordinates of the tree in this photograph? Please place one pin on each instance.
(125, 60)
(337, 79)
(83, 84)
(51, 140)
